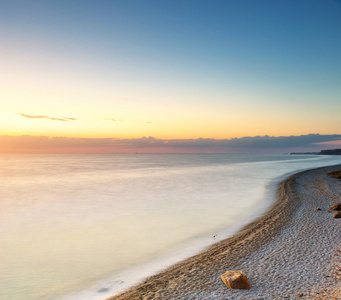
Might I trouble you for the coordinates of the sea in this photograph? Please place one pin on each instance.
(89, 226)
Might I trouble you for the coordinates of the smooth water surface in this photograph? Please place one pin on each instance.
(69, 223)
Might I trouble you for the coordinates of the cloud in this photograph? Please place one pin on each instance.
(257, 144)
(283, 141)
(335, 143)
(46, 117)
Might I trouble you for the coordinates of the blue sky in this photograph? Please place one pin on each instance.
(170, 69)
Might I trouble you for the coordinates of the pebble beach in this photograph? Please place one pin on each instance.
(291, 252)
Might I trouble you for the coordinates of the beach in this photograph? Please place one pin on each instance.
(293, 251)
(105, 223)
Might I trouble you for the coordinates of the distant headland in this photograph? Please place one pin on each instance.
(322, 152)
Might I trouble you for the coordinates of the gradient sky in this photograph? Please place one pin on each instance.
(170, 69)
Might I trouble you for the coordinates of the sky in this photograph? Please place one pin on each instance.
(170, 75)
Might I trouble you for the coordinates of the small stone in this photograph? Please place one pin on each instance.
(336, 207)
(235, 280)
(300, 295)
(337, 215)
(335, 174)
(318, 208)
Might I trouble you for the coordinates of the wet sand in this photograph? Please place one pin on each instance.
(291, 252)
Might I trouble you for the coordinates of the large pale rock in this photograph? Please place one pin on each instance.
(336, 207)
(235, 280)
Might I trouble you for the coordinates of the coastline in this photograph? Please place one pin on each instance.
(288, 225)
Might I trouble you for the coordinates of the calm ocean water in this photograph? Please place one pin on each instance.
(88, 226)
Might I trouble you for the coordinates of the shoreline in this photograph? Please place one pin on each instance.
(198, 276)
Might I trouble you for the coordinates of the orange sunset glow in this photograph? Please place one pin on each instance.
(89, 78)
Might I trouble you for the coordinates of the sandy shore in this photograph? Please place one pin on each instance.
(292, 252)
